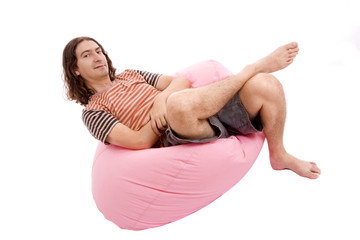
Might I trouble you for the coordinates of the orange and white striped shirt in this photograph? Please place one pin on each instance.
(127, 101)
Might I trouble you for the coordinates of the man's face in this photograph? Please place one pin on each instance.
(91, 62)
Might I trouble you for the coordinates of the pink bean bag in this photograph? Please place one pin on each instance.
(141, 189)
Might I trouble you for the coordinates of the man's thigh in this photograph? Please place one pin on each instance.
(218, 130)
(191, 128)
(235, 117)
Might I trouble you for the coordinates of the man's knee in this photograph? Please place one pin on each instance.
(178, 109)
(267, 85)
(181, 116)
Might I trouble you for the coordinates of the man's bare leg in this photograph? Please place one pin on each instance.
(188, 110)
(264, 95)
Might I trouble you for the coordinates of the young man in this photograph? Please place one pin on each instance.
(135, 109)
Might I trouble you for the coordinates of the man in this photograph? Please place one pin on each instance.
(136, 109)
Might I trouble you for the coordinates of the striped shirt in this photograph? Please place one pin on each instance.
(127, 101)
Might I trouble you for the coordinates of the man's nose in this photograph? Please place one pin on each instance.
(97, 58)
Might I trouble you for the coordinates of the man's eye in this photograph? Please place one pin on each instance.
(86, 55)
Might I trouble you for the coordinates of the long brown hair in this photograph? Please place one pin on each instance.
(75, 86)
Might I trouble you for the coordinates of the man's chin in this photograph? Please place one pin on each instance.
(103, 73)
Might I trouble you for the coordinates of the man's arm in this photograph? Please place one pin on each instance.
(125, 137)
(164, 81)
(144, 138)
(168, 85)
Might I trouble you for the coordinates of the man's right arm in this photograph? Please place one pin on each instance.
(107, 129)
(125, 137)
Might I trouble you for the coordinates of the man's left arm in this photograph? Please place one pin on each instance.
(167, 85)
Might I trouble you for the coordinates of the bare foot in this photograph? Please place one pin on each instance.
(302, 168)
(279, 59)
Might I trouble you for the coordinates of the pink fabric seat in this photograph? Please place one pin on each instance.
(140, 189)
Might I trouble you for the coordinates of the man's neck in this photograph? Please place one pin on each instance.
(101, 85)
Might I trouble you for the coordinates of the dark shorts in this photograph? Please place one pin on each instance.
(232, 119)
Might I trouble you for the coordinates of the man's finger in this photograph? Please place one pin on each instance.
(160, 124)
(164, 121)
(155, 128)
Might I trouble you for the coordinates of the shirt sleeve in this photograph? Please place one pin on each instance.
(99, 123)
(151, 78)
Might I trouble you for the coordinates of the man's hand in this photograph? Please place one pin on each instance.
(158, 114)
(168, 85)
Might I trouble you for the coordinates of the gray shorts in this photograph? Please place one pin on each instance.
(232, 119)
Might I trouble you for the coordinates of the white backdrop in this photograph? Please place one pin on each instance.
(47, 153)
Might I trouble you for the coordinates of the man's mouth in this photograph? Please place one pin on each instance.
(99, 66)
